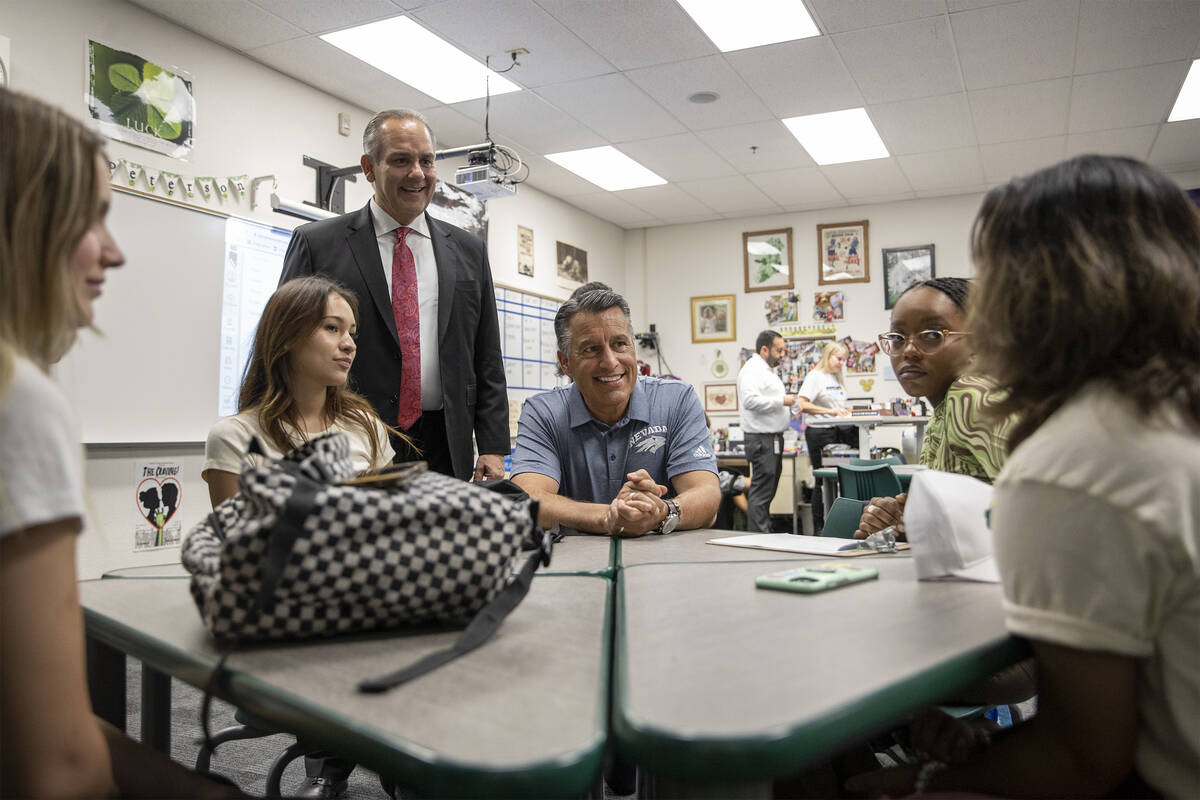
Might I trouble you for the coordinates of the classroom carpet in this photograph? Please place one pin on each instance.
(245, 762)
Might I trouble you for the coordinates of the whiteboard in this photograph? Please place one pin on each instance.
(150, 374)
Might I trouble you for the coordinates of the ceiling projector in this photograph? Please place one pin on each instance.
(484, 181)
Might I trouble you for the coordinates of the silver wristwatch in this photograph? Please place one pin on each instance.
(671, 520)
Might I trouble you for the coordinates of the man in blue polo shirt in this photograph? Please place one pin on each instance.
(614, 453)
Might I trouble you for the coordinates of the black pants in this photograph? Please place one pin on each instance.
(764, 451)
(428, 434)
(817, 438)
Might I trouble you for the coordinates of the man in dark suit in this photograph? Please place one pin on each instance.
(428, 340)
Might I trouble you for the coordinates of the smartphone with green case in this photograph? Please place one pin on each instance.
(816, 578)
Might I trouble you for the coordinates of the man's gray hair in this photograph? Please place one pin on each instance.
(371, 143)
(586, 300)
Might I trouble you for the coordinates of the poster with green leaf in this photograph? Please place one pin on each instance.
(140, 102)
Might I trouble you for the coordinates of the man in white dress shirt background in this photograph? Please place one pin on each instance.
(765, 415)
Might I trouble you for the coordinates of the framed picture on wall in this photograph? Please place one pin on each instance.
(904, 266)
(767, 260)
(842, 249)
(720, 397)
(714, 318)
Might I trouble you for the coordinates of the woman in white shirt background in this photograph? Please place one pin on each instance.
(824, 393)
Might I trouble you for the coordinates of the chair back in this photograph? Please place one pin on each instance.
(843, 518)
(862, 481)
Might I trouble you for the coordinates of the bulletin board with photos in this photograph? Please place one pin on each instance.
(801, 356)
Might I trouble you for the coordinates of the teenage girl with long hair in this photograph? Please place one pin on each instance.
(295, 386)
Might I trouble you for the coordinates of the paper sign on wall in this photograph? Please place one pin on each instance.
(157, 498)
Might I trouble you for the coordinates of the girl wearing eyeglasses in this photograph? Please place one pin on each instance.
(931, 354)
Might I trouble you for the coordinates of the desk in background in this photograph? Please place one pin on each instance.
(865, 424)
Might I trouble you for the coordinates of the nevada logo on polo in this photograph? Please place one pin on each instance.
(649, 439)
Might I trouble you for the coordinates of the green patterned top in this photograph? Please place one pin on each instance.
(959, 439)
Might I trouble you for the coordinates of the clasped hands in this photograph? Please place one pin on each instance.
(880, 513)
(638, 508)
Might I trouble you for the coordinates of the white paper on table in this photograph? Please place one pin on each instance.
(790, 543)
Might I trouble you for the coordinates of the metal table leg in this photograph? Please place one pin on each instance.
(156, 709)
(106, 682)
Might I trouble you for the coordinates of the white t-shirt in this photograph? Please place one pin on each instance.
(41, 460)
(822, 389)
(1097, 533)
(228, 439)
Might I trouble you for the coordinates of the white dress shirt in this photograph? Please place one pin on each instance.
(421, 245)
(760, 398)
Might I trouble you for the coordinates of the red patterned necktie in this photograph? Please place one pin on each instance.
(406, 310)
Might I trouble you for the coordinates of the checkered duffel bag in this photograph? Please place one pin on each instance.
(301, 551)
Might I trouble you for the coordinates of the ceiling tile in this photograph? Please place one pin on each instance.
(665, 202)
(1016, 43)
(1178, 145)
(729, 195)
(979, 188)
(633, 33)
(801, 77)
(967, 5)
(235, 23)
(612, 208)
(1133, 34)
(677, 158)
(555, 53)
(324, 66)
(899, 62)
(1026, 111)
(1132, 142)
(533, 122)
(877, 199)
(942, 170)
(1007, 160)
(817, 206)
(453, 129)
(554, 180)
(672, 85)
(879, 176)
(847, 15)
(919, 126)
(1125, 98)
(321, 16)
(692, 219)
(774, 146)
(796, 187)
(614, 107)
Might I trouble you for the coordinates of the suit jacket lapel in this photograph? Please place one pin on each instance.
(444, 255)
(360, 235)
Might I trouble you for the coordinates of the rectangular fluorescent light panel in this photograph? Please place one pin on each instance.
(409, 53)
(607, 167)
(1187, 105)
(750, 23)
(838, 136)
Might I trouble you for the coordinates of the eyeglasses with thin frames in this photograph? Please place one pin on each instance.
(926, 342)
